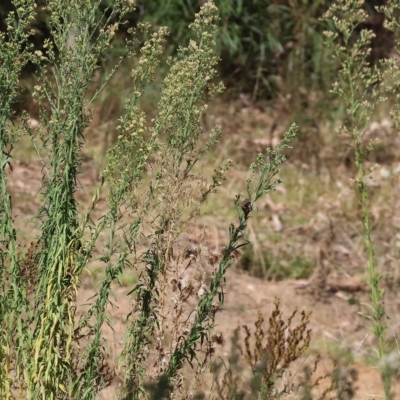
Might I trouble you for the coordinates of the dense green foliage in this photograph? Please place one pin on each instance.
(266, 47)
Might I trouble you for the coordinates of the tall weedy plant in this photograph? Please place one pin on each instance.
(168, 207)
(359, 89)
(14, 55)
(155, 192)
(39, 361)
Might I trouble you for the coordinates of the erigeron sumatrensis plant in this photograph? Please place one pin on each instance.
(361, 88)
(53, 353)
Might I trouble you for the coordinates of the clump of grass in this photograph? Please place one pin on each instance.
(272, 266)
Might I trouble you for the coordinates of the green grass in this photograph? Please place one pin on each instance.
(275, 265)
